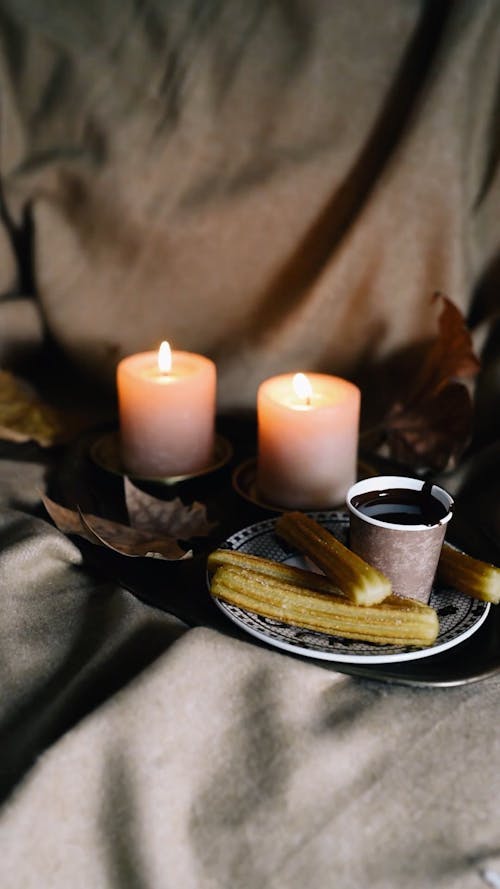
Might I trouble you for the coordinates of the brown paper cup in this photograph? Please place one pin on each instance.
(407, 554)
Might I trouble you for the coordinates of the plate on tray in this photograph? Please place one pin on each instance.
(459, 615)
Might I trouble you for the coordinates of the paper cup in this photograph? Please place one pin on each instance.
(407, 554)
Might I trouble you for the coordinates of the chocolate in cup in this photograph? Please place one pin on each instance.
(407, 554)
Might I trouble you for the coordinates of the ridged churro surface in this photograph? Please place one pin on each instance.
(360, 582)
(478, 579)
(396, 621)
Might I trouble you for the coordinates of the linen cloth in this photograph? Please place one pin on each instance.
(277, 186)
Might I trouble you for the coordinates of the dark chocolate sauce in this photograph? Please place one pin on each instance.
(401, 506)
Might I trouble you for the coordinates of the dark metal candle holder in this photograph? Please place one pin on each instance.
(105, 451)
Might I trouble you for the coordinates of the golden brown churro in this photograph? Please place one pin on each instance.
(279, 570)
(478, 579)
(360, 582)
(396, 621)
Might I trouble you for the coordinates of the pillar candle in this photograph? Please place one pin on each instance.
(167, 412)
(307, 440)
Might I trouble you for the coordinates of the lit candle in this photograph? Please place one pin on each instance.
(307, 440)
(167, 412)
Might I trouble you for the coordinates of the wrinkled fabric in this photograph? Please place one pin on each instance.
(279, 186)
(260, 771)
(273, 185)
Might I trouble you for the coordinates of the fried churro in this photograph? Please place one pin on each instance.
(478, 579)
(279, 570)
(359, 581)
(396, 621)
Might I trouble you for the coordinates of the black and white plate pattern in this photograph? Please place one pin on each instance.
(459, 615)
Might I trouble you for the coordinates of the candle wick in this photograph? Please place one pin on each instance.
(308, 401)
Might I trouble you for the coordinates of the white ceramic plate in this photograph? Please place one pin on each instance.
(459, 615)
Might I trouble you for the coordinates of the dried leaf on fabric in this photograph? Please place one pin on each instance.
(170, 517)
(435, 434)
(132, 541)
(67, 520)
(121, 538)
(25, 417)
(432, 425)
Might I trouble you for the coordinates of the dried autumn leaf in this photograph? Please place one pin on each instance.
(132, 541)
(24, 417)
(113, 535)
(435, 434)
(170, 517)
(450, 356)
(67, 520)
(433, 425)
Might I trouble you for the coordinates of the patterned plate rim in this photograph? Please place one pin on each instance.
(321, 646)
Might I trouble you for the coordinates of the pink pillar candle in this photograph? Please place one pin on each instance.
(167, 417)
(307, 441)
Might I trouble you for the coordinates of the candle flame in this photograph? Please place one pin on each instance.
(165, 358)
(302, 388)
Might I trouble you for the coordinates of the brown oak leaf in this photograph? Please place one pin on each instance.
(432, 426)
(123, 539)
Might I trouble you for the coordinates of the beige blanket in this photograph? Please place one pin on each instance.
(279, 186)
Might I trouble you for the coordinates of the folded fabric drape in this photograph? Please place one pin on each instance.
(280, 186)
(276, 187)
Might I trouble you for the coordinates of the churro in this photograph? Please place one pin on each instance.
(396, 621)
(359, 581)
(279, 570)
(478, 579)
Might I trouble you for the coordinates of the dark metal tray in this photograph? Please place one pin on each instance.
(180, 588)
